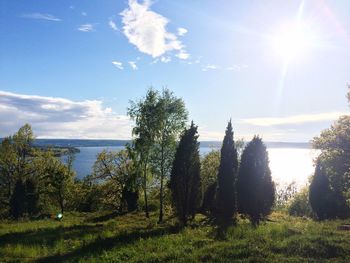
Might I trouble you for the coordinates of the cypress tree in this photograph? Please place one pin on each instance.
(325, 203)
(32, 197)
(18, 200)
(226, 202)
(185, 176)
(255, 188)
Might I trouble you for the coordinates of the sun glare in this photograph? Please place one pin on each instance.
(292, 41)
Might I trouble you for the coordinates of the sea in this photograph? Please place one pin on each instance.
(289, 162)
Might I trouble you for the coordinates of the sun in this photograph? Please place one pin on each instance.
(292, 41)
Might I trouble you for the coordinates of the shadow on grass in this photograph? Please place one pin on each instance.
(105, 217)
(49, 236)
(121, 239)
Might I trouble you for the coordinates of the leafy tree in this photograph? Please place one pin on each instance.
(8, 175)
(145, 113)
(325, 202)
(118, 172)
(86, 195)
(55, 179)
(22, 142)
(334, 160)
(185, 177)
(209, 169)
(226, 197)
(299, 204)
(284, 194)
(15, 163)
(255, 189)
(172, 117)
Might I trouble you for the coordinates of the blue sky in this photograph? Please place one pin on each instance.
(70, 67)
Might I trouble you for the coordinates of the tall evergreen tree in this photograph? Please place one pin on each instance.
(185, 176)
(32, 197)
(226, 202)
(325, 202)
(255, 188)
(18, 200)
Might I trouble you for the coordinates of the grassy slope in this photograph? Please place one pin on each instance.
(132, 238)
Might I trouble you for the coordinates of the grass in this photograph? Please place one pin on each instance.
(132, 238)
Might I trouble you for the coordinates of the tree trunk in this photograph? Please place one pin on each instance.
(145, 189)
(161, 200)
(161, 187)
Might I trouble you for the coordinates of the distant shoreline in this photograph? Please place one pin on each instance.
(115, 143)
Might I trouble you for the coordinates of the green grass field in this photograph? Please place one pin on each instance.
(132, 238)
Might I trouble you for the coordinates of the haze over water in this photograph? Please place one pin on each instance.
(286, 164)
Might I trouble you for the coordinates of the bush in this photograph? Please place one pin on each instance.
(300, 205)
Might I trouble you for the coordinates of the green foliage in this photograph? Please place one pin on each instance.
(32, 197)
(86, 195)
(209, 199)
(227, 175)
(159, 119)
(185, 177)
(210, 164)
(145, 113)
(172, 118)
(18, 200)
(284, 195)
(334, 144)
(255, 188)
(326, 203)
(118, 176)
(299, 204)
(8, 176)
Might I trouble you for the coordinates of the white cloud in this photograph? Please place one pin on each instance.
(210, 67)
(146, 30)
(165, 59)
(86, 28)
(133, 65)
(41, 16)
(53, 117)
(183, 55)
(181, 31)
(83, 13)
(113, 25)
(118, 64)
(296, 119)
(236, 67)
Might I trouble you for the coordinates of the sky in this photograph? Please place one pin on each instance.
(279, 69)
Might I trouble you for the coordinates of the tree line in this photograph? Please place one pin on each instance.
(162, 170)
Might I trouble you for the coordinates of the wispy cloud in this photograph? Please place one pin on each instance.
(147, 30)
(296, 119)
(86, 28)
(118, 64)
(113, 25)
(181, 31)
(53, 117)
(133, 65)
(210, 67)
(237, 67)
(83, 13)
(165, 59)
(41, 16)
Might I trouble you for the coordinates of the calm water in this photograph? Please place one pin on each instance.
(286, 164)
